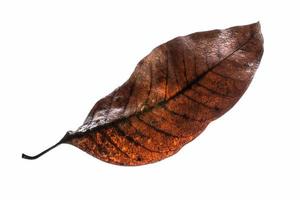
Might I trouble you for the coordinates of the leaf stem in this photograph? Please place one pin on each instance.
(45, 151)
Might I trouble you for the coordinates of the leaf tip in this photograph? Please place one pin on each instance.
(256, 26)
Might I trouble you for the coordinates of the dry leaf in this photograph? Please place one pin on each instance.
(170, 98)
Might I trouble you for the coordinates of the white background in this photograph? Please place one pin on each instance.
(57, 58)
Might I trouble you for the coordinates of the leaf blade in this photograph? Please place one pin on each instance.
(172, 95)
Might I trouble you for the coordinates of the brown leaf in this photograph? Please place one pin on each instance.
(170, 98)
